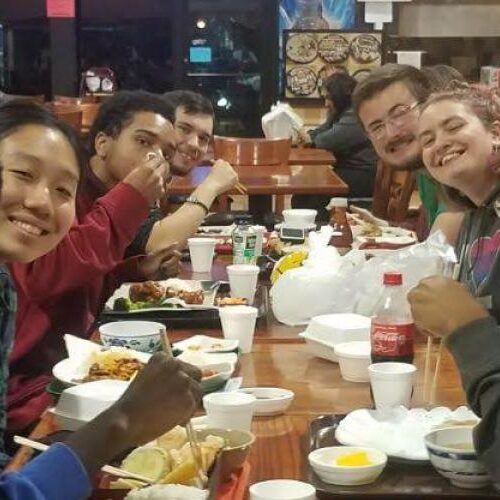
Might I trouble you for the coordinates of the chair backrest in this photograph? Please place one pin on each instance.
(37, 99)
(64, 99)
(252, 151)
(69, 114)
(392, 193)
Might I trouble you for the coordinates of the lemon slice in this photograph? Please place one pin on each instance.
(126, 484)
(148, 461)
(182, 474)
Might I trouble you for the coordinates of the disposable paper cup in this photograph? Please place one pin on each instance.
(282, 489)
(238, 322)
(229, 410)
(243, 280)
(202, 254)
(392, 384)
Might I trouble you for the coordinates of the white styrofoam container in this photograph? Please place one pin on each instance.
(320, 348)
(82, 403)
(328, 330)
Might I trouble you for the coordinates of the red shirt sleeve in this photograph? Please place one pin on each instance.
(92, 248)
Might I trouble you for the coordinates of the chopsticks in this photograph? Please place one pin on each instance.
(193, 442)
(238, 186)
(109, 469)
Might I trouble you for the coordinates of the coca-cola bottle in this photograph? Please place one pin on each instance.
(342, 234)
(392, 328)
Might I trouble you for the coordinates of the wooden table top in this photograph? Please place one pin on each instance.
(310, 156)
(272, 179)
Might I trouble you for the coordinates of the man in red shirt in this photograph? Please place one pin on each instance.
(62, 291)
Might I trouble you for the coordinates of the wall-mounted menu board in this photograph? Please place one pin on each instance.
(309, 56)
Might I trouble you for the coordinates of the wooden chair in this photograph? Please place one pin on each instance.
(72, 115)
(392, 193)
(254, 152)
(64, 99)
(89, 111)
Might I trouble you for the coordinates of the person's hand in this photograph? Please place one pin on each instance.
(161, 264)
(441, 305)
(303, 137)
(164, 394)
(149, 178)
(222, 177)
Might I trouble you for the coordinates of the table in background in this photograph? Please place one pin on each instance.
(310, 156)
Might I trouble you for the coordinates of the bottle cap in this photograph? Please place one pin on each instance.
(393, 278)
(338, 202)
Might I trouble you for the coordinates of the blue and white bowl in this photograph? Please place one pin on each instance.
(451, 451)
(141, 336)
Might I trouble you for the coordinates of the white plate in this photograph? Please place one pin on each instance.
(406, 429)
(203, 343)
(69, 371)
(190, 285)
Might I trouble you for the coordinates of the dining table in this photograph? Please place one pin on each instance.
(310, 156)
(280, 358)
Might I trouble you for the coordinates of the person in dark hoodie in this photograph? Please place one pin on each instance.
(344, 136)
(459, 135)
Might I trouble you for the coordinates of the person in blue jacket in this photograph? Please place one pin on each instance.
(40, 164)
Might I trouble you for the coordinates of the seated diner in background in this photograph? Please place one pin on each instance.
(345, 138)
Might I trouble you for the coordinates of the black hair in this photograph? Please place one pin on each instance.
(117, 111)
(338, 88)
(381, 78)
(19, 113)
(192, 102)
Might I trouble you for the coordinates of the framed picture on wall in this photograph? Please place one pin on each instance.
(310, 56)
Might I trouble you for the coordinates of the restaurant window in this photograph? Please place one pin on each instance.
(138, 52)
(26, 57)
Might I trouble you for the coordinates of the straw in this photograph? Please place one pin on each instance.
(109, 469)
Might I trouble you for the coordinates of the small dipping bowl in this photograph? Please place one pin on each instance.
(270, 400)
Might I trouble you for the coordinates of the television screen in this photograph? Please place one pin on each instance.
(200, 54)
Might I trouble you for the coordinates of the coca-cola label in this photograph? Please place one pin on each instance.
(392, 340)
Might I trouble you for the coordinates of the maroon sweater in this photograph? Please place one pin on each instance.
(63, 291)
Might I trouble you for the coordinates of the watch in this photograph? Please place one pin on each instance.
(195, 201)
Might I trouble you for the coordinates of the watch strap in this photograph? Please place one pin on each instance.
(195, 201)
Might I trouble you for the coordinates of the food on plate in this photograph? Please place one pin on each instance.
(170, 460)
(189, 297)
(365, 49)
(301, 48)
(356, 459)
(333, 48)
(371, 230)
(113, 365)
(208, 372)
(167, 492)
(148, 291)
(231, 301)
(301, 80)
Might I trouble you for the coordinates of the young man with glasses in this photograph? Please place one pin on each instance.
(387, 104)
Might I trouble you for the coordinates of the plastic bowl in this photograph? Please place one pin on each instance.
(453, 462)
(323, 462)
(282, 489)
(142, 336)
(354, 360)
(270, 400)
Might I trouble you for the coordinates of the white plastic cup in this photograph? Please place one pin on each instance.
(259, 231)
(282, 489)
(243, 281)
(230, 410)
(202, 254)
(392, 384)
(238, 323)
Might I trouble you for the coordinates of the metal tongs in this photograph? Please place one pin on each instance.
(191, 434)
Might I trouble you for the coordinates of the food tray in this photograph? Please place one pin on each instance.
(187, 318)
(398, 480)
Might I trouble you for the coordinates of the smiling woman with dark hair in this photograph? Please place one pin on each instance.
(345, 138)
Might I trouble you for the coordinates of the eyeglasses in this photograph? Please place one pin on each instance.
(397, 117)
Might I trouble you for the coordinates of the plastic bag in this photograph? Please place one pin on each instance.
(432, 257)
(281, 121)
(313, 289)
